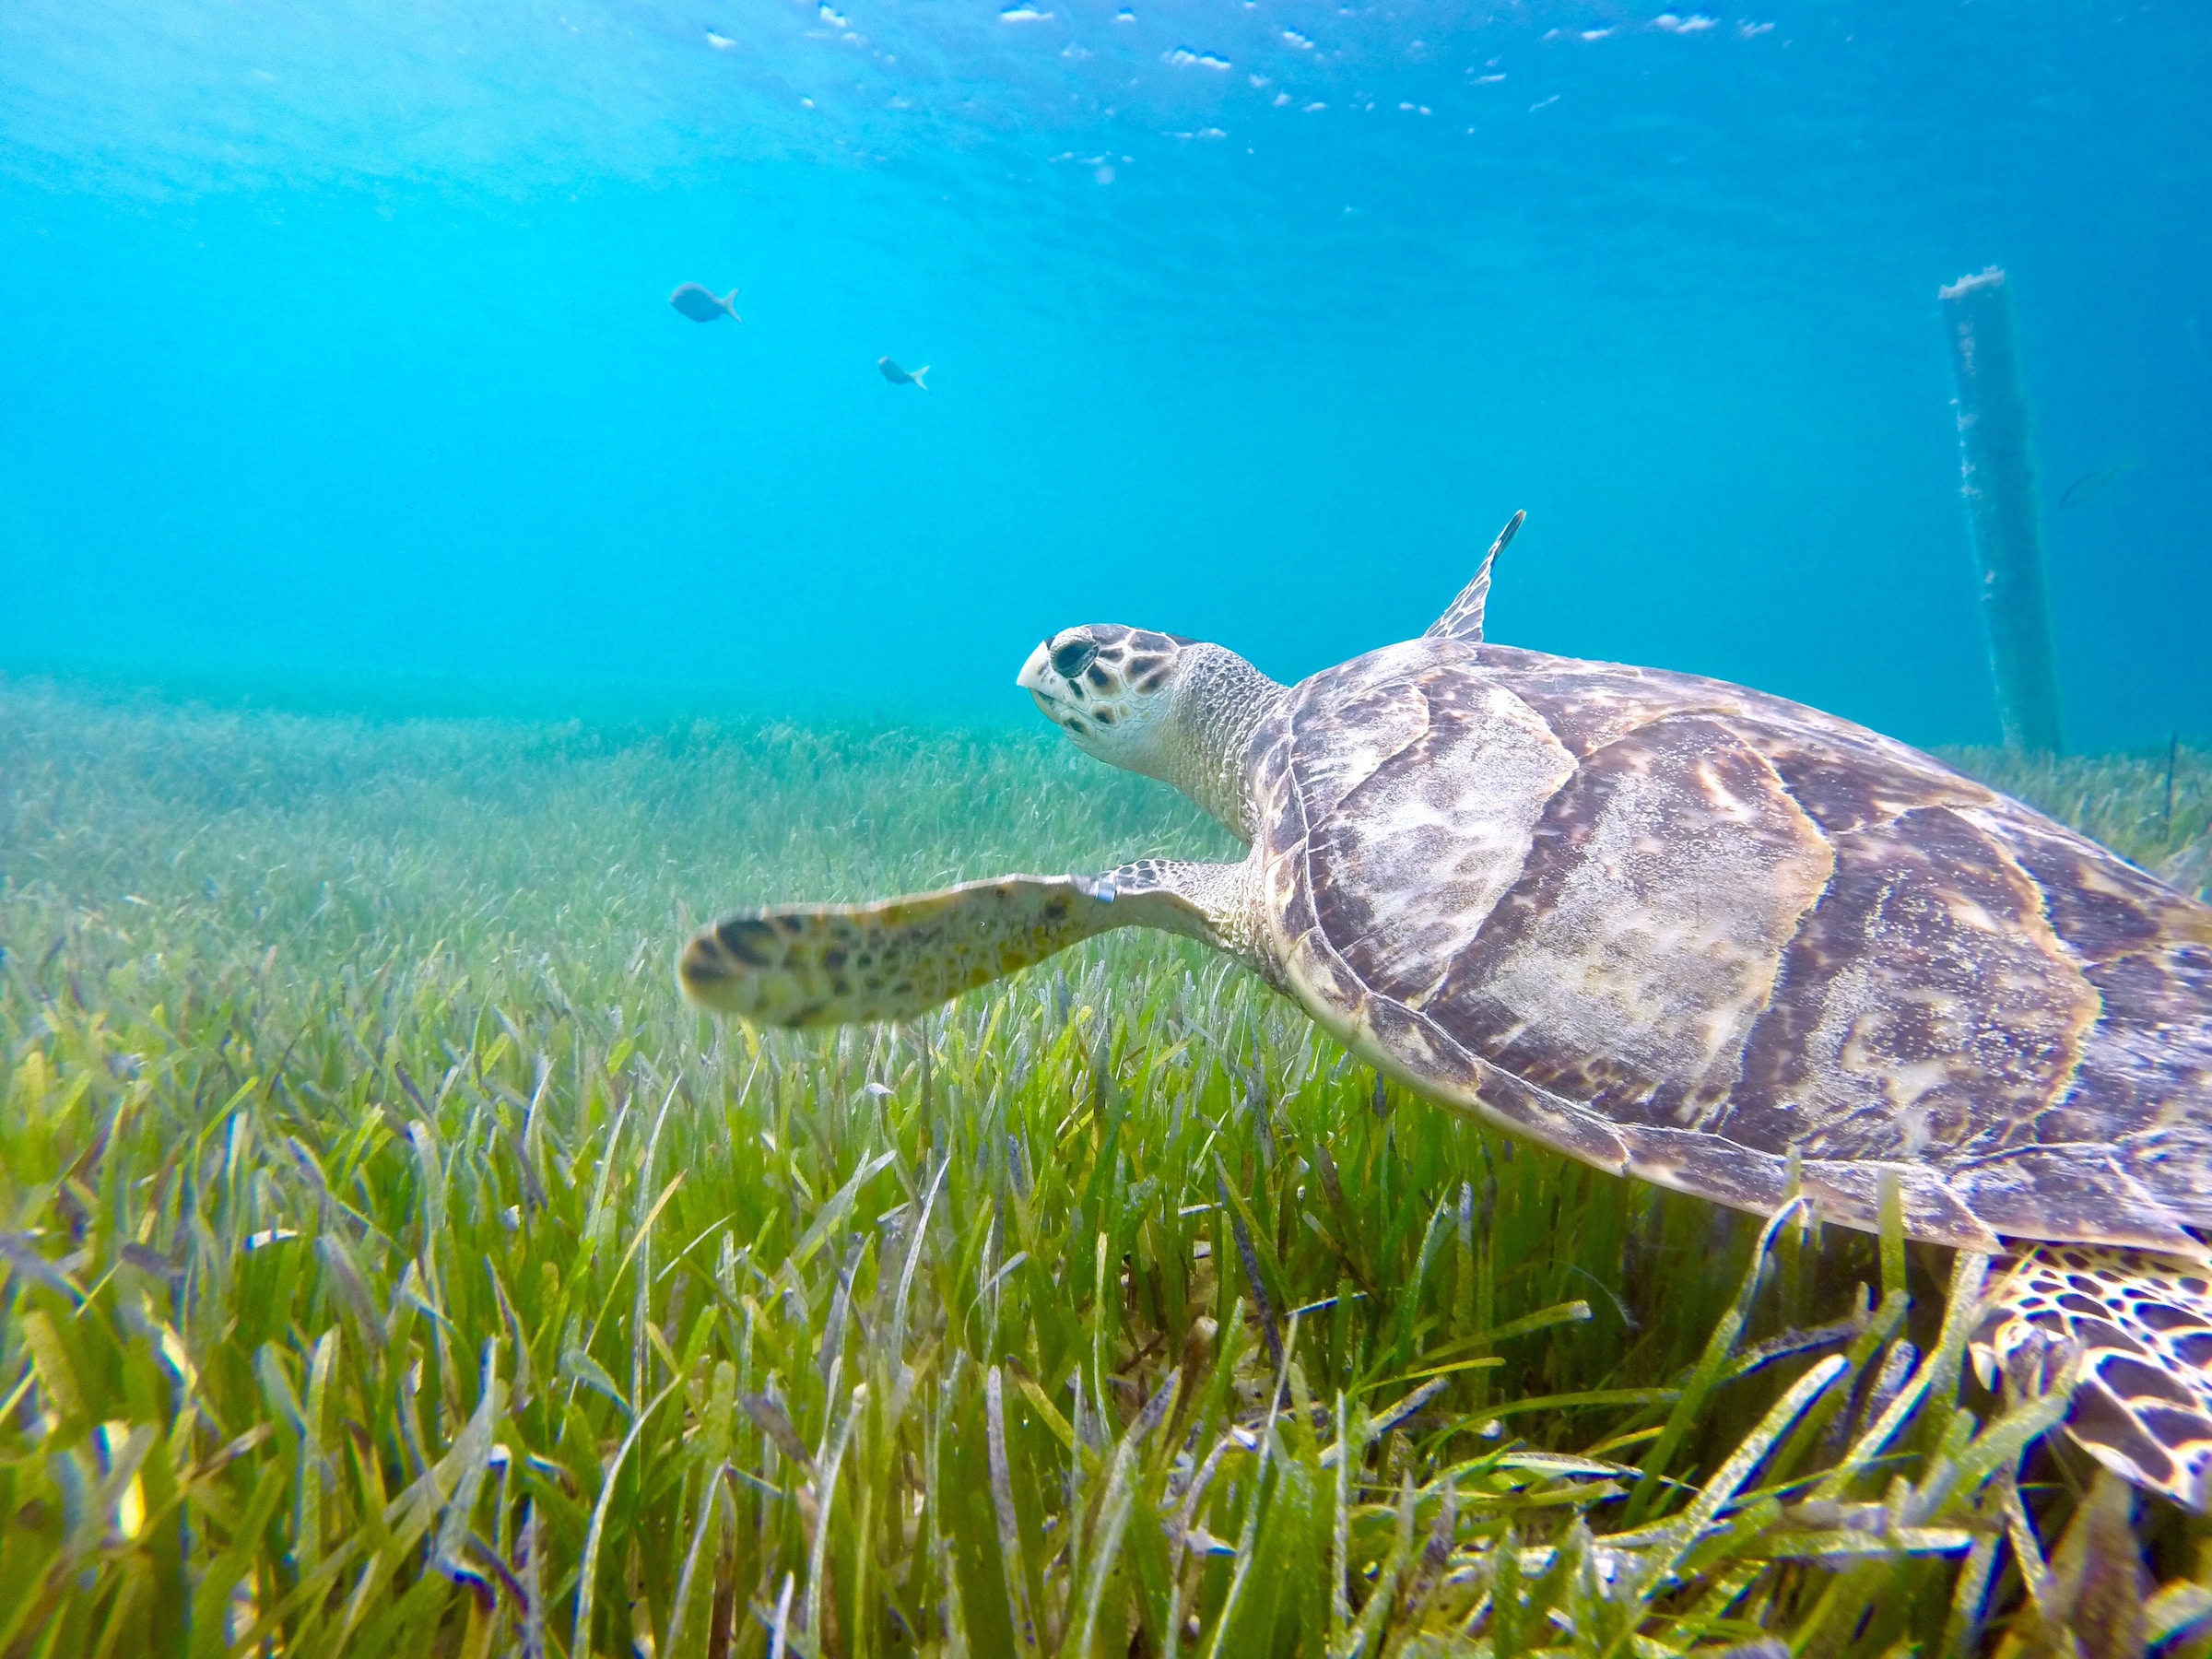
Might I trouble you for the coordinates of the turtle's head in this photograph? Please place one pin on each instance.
(1109, 689)
(1178, 709)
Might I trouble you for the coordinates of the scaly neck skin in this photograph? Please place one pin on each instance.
(1219, 701)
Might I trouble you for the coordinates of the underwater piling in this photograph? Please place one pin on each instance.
(1998, 483)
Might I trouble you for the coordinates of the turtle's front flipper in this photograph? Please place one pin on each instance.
(1462, 618)
(844, 964)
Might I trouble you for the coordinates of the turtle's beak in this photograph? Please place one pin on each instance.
(1036, 677)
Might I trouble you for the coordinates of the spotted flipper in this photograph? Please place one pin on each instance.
(1463, 620)
(2143, 1324)
(846, 964)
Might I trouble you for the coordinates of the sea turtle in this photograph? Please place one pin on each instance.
(1675, 928)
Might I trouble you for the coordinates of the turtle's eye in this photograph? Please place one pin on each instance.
(1072, 658)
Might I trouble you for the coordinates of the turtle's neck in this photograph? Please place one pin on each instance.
(1220, 700)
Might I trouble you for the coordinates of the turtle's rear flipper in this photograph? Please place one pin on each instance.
(846, 964)
(2142, 1323)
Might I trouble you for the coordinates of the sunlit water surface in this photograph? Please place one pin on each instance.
(335, 361)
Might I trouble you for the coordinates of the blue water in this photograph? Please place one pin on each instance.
(336, 353)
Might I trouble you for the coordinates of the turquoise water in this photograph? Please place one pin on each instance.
(337, 361)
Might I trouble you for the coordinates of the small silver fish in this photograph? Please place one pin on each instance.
(2091, 484)
(701, 305)
(899, 377)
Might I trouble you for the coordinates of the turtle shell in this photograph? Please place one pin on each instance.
(1729, 944)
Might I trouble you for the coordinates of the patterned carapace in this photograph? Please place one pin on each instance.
(1726, 943)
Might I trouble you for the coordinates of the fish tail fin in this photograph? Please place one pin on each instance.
(729, 304)
(916, 377)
